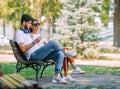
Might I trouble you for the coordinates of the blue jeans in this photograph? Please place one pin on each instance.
(50, 51)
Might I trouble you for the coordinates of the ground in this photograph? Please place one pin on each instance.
(84, 81)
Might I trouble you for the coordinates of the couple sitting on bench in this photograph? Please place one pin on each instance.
(35, 48)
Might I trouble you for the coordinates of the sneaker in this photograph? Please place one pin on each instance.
(69, 53)
(78, 70)
(59, 80)
(68, 78)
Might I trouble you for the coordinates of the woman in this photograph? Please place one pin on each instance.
(34, 34)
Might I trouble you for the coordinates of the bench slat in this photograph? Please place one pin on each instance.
(19, 78)
(8, 83)
(14, 82)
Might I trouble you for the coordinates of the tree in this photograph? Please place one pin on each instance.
(10, 9)
(104, 12)
(76, 24)
(117, 23)
(4, 13)
(48, 8)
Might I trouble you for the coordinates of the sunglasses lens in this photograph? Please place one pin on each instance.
(36, 24)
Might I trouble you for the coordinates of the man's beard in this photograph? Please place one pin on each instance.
(26, 27)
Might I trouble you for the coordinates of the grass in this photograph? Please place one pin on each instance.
(29, 73)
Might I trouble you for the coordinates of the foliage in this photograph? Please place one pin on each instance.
(11, 11)
(51, 8)
(3, 10)
(108, 49)
(76, 23)
(91, 53)
(104, 12)
(48, 8)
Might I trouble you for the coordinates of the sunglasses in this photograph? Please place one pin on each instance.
(35, 23)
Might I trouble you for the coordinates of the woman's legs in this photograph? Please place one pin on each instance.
(65, 66)
(72, 62)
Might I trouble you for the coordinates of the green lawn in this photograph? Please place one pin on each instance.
(29, 73)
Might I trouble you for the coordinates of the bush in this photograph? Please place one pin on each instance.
(4, 41)
(91, 53)
(82, 47)
(108, 49)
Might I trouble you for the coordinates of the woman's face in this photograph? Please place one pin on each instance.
(35, 27)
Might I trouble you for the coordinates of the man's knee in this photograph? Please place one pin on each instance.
(60, 53)
(53, 42)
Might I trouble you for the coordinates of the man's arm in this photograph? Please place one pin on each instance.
(24, 47)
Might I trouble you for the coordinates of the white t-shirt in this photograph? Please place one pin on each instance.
(42, 41)
(21, 37)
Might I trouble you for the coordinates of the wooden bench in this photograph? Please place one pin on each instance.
(22, 62)
(16, 81)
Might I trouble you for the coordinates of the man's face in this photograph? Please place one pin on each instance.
(28, 25)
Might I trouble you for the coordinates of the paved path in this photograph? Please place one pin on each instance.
(11, 58)
(7, 58)
(84, 81)
(99, 62)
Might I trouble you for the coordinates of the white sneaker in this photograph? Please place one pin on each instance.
(59, 80)
(68, 78)
(69, 53)
(78, 70)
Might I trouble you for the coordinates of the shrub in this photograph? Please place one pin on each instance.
(91, 53)
(108, 49)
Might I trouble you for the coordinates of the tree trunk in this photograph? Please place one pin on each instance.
(117, 23)
(15, 29)
(4, 27)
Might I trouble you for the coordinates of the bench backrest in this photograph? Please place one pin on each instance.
(17, 52)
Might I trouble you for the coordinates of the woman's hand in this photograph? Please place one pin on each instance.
(37, 40)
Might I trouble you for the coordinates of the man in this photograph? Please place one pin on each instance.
(32, 51)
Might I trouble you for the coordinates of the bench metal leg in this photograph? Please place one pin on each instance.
(37, 68)
(44, 67)
(37, 71)
(19, 67)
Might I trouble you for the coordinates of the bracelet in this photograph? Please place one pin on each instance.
(33, 43)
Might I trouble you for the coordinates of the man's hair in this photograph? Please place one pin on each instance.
(26, 18)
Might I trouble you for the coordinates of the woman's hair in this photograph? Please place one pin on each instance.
(35, 22)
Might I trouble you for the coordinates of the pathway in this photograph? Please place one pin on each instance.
(11, 58)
